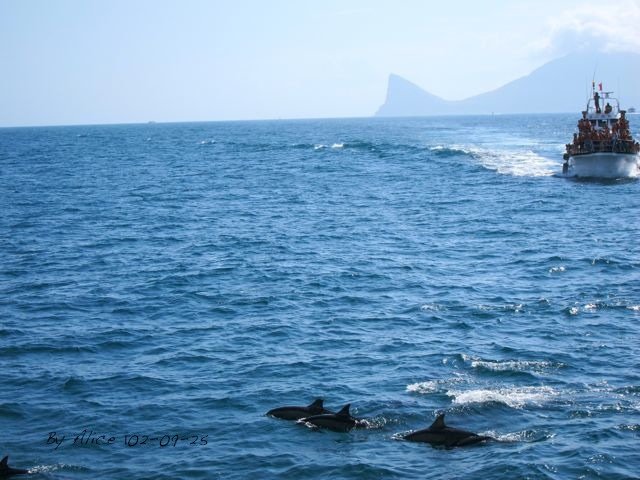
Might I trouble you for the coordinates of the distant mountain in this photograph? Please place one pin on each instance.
(561, 85)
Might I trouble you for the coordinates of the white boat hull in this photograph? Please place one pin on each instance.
(604, 165)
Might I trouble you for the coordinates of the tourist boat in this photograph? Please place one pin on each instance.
(603, 146)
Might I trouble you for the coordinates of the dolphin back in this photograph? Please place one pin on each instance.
(440, 434)
(6, 470)
(298, 412)
(344, 411)
(339, 422)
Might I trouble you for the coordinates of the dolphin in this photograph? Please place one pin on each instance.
(339, 422)
(441, 435)
(6, 470)
(296, 413)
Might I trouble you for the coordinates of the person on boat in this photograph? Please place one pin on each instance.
(596, 99)
(607, 108)
(624, 127)
(584, 125)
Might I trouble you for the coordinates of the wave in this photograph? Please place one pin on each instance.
(514, 397)
(432, 307)
(511, 365)
(525, 436)
(629, 427)
(434, 386)
(597, 306)
(425, 387)
(46, 469)
(367, 146)
(381, 148)
(517, 163)
(451, 151)
(558, 269)
(536, 366)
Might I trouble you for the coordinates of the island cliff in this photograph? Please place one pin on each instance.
(561, 85)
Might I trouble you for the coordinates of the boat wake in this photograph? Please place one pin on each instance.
(517, 163)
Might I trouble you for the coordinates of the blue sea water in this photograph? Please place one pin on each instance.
(163, 286)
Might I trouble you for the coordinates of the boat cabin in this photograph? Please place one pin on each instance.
(603, 128)
(603, 111)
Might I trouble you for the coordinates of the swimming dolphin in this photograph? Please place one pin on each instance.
(296, 413)
(339, 422)
(6, 470)
(439, 434)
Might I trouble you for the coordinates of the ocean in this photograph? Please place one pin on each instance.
(163, 286)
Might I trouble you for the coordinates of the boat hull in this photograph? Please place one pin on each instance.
(604, 165)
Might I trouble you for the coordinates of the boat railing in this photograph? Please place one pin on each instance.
(603, 146)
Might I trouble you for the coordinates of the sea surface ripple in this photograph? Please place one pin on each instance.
(173, 282)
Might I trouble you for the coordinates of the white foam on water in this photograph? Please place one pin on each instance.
(509, 307)
(559, 269)
(51, 468)
(537, 366)
(454, 149)
(431, 307)
(319, 146)
(513, 365)
(518, 437)
(424, 387)
(515, 163)
(515, 397)
(432, 386)
(337, 145)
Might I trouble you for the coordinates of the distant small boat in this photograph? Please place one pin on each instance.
(631, 110)
(603, 146)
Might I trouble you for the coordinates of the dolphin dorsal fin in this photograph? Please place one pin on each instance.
(345, 410)
(4, 461)
(439, 423)
(317, 403)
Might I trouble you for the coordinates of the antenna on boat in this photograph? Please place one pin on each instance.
(619, 92)
(586, 91)
(593, 84)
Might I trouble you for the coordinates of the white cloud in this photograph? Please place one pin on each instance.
(604, 26)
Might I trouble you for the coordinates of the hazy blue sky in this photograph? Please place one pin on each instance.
(112, 61)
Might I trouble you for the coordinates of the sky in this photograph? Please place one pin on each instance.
(65, 62)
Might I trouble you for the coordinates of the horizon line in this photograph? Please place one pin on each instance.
(288, 119)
